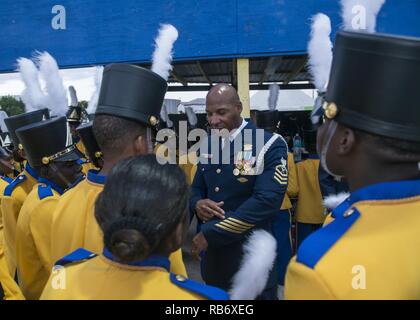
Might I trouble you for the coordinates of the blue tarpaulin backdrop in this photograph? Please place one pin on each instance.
(103, 31)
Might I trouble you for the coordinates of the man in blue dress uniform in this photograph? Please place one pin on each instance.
(238, 193)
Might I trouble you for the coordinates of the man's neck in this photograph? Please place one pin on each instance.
(375, 173)
(238, 124)
(109, 163)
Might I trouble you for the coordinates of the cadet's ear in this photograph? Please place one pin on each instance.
(346, 140)
(140, 145)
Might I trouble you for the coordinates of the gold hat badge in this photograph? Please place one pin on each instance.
(153, 120)
(330, 110)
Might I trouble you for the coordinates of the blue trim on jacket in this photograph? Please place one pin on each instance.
(319, 243)
(94, 176)
(151, 261)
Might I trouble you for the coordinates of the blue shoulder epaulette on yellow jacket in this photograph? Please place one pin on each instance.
(7, 179)
(76, 256)
(18, 180)
(206, 291)
(318, 243)
(44, 191)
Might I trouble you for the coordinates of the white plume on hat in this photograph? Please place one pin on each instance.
(56, 92)
(273, 96)
(73, 97)
(369, 12)
(191, 116)
(258, 260)
(162, 56)
(32, 96)
(93, 102)
(320, 51)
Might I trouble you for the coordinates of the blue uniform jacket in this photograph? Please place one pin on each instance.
(250, 201)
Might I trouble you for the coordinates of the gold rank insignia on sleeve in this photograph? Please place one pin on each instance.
(280, 174)
(234, 225)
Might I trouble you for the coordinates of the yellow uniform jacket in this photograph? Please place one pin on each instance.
(188, 164)
(9, 290)
(369, 251)
(74, 223)
(86, 276)
(4, 182)
(33, 238)
(309, 207)
(13, 197)
(292, 183)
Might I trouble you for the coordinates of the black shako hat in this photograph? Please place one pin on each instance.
(48, 141)
(89, 141)
(15, 122)
(374, 84)
(131, 92)
(268, 120)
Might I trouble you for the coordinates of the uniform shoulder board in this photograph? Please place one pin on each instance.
(76, 256)
(7, 179)
(44, 191)
(18, 180)
(209, 292)
(315, 246)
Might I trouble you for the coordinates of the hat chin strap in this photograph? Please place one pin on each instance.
(58, 172)
(332, 127)
(149, 140)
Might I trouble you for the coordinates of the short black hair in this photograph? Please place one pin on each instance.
(141, 204)
(394, 149)
(112, 133)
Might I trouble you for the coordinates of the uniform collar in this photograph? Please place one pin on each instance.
(52, 184)
(152, 261)
(238, 130)
(387, 191)
(394, 190)
(31, 171)
(94, 176)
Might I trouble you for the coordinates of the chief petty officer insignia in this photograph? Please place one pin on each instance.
(280, 174)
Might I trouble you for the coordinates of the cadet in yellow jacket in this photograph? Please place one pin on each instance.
(74, 223)
(93, 154)
(4, 182)
(370, 135)
(15, 193)
(309, 213)
(141, 227)
(55, 159)
(9, 290)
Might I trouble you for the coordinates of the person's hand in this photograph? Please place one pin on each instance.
(199, 244)
(207, 209)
